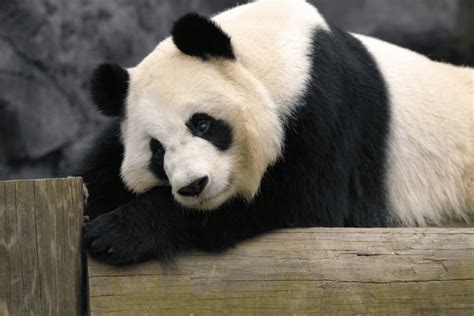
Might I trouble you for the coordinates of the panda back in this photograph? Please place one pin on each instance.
(430, 163)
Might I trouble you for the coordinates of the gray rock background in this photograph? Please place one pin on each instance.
(49, 47)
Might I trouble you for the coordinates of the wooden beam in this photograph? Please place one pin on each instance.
(40, 247)
(417, 271)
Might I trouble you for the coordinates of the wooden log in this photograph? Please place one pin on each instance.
(40, 247)
(401, 271)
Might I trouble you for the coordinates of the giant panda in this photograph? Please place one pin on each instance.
(266, 116)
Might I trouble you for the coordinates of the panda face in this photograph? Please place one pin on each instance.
(190, 146)
(210, 137)
(191, 152)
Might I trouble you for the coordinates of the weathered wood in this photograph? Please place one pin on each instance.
(40, 253)
(404, 271)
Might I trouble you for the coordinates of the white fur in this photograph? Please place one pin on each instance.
(431, 142)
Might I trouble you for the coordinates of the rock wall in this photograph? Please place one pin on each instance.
(49, 47)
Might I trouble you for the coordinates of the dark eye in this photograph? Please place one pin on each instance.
(158, 153)
(218, 132)
(203, 126)
(157, 148)
(157, 159)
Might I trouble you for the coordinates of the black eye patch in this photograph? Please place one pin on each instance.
(217, 132)
(157, 159)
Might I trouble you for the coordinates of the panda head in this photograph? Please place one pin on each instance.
(193, 117)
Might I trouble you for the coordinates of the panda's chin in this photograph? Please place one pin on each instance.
(205, 203)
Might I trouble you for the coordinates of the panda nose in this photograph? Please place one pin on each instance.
(195, 187)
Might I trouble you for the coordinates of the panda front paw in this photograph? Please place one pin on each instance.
(113, 239)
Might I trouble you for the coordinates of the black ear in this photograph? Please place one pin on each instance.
(201, 37)
(109, 87)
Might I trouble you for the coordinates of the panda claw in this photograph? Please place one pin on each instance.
(108, 239)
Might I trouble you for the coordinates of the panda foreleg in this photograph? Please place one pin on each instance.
(101, 172)
(222, 229)
(152, 225)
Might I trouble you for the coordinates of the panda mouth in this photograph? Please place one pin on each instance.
(213, 196)
(205, 201)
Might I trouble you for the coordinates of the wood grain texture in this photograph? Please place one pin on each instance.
(40, 253)
(402, 271)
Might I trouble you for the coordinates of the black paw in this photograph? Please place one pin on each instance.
(112, 239)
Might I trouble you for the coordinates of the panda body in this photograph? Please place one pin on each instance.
(268, 117)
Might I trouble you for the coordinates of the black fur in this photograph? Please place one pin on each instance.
(100, 170)
(332, 173)
(109, 86)
(158, 159)
(334, 162)
(134, 231)
(201, 37)
(219, 132)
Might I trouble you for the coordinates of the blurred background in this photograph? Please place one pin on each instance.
(49, 47)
